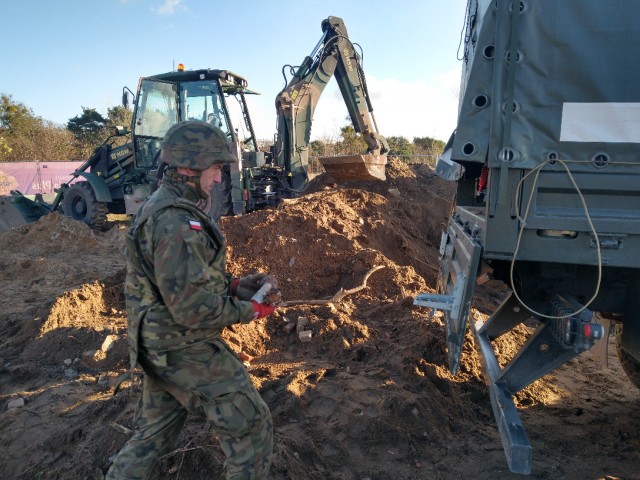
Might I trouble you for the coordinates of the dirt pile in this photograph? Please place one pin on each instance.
(368, 397)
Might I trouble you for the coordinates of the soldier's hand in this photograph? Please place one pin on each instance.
(261, 310)
(247, 287)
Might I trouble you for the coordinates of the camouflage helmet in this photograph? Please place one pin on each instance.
(196, 145)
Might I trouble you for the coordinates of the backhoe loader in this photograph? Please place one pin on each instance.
(118, 179)
(283, 171)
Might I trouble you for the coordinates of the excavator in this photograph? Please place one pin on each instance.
(117, 179)
(282, 173)
(334, 56)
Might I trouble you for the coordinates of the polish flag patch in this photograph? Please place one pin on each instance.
(195, 225)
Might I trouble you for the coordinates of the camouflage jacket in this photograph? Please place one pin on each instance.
(177, 289)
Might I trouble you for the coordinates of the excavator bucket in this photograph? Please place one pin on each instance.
(16, 210)
(10, 216)
(355, 167)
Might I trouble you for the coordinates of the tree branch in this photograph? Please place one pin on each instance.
(337, 297)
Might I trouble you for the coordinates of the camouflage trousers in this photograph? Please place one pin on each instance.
(206, 379)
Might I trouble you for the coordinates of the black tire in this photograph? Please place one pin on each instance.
(80, 203)
(221, 203)
(630, 365)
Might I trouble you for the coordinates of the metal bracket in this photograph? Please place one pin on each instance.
(555, 342)
(448, 303)
(447, 168)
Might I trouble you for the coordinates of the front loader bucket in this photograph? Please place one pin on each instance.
(355, 167)
(16, 210)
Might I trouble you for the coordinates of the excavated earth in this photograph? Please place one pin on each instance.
(369, 397)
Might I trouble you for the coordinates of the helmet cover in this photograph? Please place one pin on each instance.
(196, 145)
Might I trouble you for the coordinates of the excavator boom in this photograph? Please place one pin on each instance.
(334, 55)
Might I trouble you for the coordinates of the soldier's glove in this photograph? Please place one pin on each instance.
(246, 287)
(261, 310)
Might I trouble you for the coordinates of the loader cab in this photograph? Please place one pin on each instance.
(201, 102)
(217, 97)
(156, 111)
(166, 99)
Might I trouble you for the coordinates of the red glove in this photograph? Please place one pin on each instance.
(261, 310)
(234, 286)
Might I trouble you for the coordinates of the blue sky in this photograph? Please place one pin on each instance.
(60, 56)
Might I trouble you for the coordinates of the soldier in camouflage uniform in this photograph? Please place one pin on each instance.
(179, 299)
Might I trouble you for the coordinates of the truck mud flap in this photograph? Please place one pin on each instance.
(460, 251)
(355, 167)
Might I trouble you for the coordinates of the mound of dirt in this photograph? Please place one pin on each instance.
(366, 396)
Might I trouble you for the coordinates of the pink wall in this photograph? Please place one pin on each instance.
(35, 177)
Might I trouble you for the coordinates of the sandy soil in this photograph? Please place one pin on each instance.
(369, 397)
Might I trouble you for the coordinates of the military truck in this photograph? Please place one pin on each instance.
(546, 157)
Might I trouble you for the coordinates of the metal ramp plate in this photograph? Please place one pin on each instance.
(515, 442)
(460, 249)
